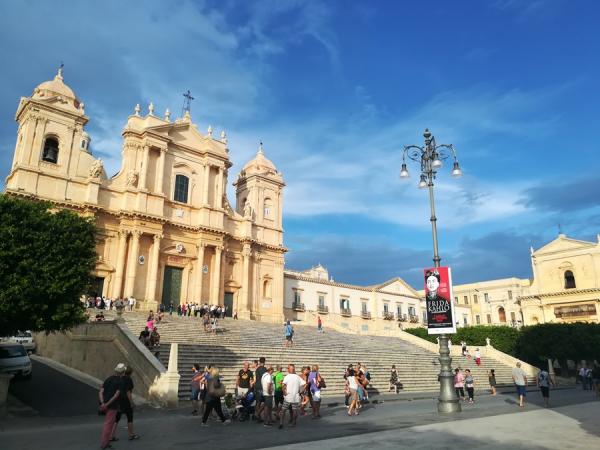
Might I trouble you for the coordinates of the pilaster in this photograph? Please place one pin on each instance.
(122, 248)
(132, 263)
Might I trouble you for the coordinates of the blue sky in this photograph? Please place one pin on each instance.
(334, 89)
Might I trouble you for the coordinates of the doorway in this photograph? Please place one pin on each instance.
(97, 287)
(502, 314)
(228, 303)
(172, 286)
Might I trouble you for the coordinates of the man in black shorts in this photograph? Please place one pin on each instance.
(258, 390)
(126, 405)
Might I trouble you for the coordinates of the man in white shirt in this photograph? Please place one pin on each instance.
(583, 377)
(520, 379)
(267, 394)
(292, 385)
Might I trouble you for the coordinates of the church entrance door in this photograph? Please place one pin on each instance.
(172, 286)
(97, 287)
(228, 302)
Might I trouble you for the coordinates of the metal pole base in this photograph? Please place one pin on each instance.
(448, 402)
(449, 406)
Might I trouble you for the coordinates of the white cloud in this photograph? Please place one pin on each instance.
(335, 167)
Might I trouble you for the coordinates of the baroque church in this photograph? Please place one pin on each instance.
(166, 230)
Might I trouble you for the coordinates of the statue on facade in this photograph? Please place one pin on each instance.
(96, 168)
(227, 206)
(132, 177)
(247, 210)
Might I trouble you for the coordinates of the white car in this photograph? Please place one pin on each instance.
(15, 360)
(24, 338)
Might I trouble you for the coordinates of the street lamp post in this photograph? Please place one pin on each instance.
(431, 157)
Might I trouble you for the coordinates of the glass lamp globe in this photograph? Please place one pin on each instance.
(404, 171)
(423, 182)
(456, 172)
(436, 164)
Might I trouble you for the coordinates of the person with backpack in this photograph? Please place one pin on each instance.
(215, 389)
(544, 382)
(289, 334)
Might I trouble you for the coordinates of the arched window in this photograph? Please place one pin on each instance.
(267, 208)
(50, 153)
(182, 184)
(267, 289)
(569, 280)
(502, 315)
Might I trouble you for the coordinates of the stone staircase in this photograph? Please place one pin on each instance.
(332, 351)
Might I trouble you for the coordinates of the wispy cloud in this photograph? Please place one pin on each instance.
(334, 167)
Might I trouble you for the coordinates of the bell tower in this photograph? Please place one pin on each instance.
(50, 141)
(259, 196)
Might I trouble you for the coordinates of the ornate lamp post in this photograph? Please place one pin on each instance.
(431, 157)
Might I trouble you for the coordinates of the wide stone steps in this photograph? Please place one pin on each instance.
(332, 351)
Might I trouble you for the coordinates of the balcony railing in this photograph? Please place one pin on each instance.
(575, 311)
(297, 306)
(402, 318)
(345, 312)
(388, 315)
(323, 309)
(365, 314)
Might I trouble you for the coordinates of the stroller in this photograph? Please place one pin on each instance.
(245, 407)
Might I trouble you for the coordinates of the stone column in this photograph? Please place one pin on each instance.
(144, 168)
(120, 263)
(153, 269)
(199, 274)
(244, 306)
(161, 171)
(219, 188)
(205, 184)
(185, 283)
(132, 263)
(216, 276)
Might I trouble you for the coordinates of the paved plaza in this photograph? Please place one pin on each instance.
(59, 420)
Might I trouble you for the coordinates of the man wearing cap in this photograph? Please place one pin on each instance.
(109, 404)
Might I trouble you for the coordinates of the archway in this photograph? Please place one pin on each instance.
(502, 314)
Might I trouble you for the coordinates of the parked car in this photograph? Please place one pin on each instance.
(24, 338)
(14, 359)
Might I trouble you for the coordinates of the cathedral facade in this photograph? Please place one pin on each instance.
(166, 230)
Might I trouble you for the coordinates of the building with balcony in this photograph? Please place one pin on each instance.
(357, 308)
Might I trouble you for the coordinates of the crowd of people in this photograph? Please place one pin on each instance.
(107, 303)
(194, 309)
(262, 393)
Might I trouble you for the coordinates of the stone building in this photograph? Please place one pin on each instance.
(565, 288)
(360, 309)
(167, 232)
(566, 283)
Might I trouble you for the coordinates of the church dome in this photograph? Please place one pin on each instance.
(260, 164)
(55, 87)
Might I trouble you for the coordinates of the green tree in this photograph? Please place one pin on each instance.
(46, 259)
(562, 341)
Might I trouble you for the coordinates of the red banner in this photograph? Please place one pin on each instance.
(439, 301)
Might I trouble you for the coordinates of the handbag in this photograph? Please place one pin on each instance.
(321, 383)
(216, 389)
